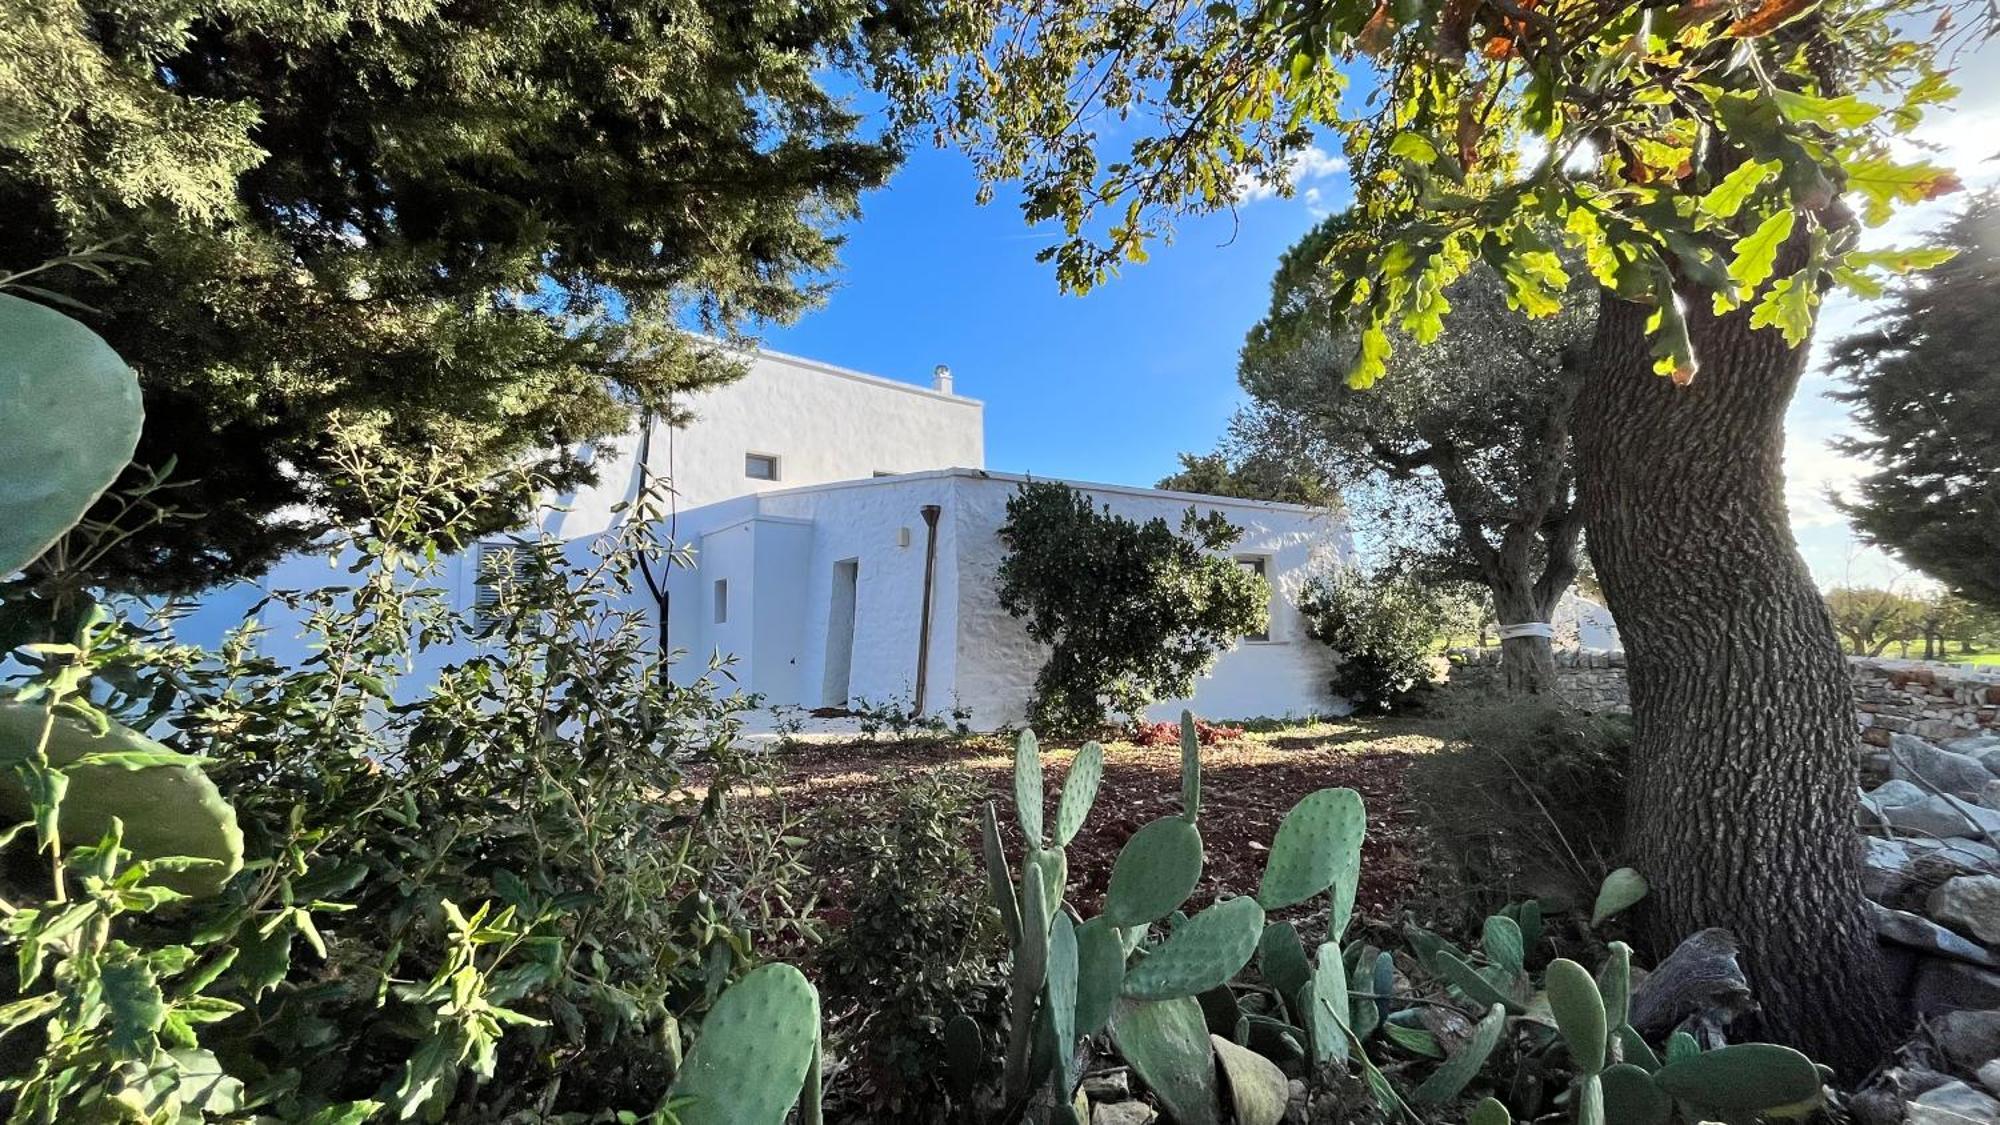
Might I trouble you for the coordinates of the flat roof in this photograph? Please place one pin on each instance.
(1023, 478)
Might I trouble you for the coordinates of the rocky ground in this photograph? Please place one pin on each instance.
(1932, 870)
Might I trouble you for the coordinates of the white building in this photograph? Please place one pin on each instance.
(819, 502)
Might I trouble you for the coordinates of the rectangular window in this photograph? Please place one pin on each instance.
(722, 601)
(760, 466)
(1259, 566)
(497, 568)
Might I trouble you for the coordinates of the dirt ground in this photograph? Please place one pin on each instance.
(1247, 787)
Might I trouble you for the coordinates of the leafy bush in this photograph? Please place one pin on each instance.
(1528, 801)
(913, 944)
(1385, 628)
(513, 873)
(1132, 612)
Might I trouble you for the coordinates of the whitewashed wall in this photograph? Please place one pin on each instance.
(822, 423)
(981, 659)
(1284, 676)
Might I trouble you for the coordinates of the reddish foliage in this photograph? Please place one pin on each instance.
(1169, 734)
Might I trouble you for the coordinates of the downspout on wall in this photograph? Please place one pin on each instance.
(930, 514)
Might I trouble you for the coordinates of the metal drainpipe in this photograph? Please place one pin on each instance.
(930, 513)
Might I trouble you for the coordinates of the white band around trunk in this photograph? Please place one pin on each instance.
(1527, 629)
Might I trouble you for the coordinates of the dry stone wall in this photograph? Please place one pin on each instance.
(1928, 700)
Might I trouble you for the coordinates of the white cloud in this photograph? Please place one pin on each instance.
(1303, 167)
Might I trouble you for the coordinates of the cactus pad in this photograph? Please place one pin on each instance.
(1503, 944)
(1318, 845)
(1258, 1090)
(1201, 954)
(1281, 957)
(1579, 1012)
(999, 879)
(1477, 989)
(1028, 786)
(1079, 791)
(1743, 1078)
(1614, 980)
(1190, 768)
(1452, 1074)
(1632, 1098)
(1621, 889)
(1154, 873)
(1489, 1111)
(1100, 973)
(1327, 1010)
(756, 1043)
(1166, 1042)
(1054, 865)
(169, 807)
(71, 421)
(1060, 996)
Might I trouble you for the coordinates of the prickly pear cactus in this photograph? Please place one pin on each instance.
(1318, 846)
(1450, 1077)
(1631, 1097)
(1258, 1090)
(1079, 791)
(1579, 1012)
(1100, 973)
(1327, 1008)
(1204, 953)
(755, 1047)
(1744, 1078)
(169, 806)
(1154, 873)
(1166, 1042)
(1028, 786)
(69, 421)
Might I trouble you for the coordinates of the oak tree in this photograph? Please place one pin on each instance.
(1709, 162)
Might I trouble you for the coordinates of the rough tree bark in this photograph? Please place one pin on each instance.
(1743, 768)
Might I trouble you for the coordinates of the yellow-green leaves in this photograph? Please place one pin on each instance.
(1883, 183)
(1372, 361)
(1726, 198)
(1789, 308)
(1844, 112)
(1756, 256)
(1413, 147)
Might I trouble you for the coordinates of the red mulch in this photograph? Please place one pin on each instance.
(1247, 787)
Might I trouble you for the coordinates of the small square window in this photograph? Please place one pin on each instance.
(760, 466)
(722, 601)
(1259, 566)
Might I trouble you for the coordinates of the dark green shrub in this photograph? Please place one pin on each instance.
(1131, 612)
(911, 942)
(1386, 629)
(1528, 801)
(498, 897)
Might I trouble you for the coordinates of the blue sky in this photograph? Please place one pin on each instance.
(1109, 386)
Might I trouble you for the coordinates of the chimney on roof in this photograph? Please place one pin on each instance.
(941, 379)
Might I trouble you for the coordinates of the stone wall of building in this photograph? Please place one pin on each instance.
(1932, 701)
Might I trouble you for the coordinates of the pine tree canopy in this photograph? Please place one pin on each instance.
(1924, 380)
(464, 231)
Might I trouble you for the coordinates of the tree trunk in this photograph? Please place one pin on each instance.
(1741, 798)
(1527, 664)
